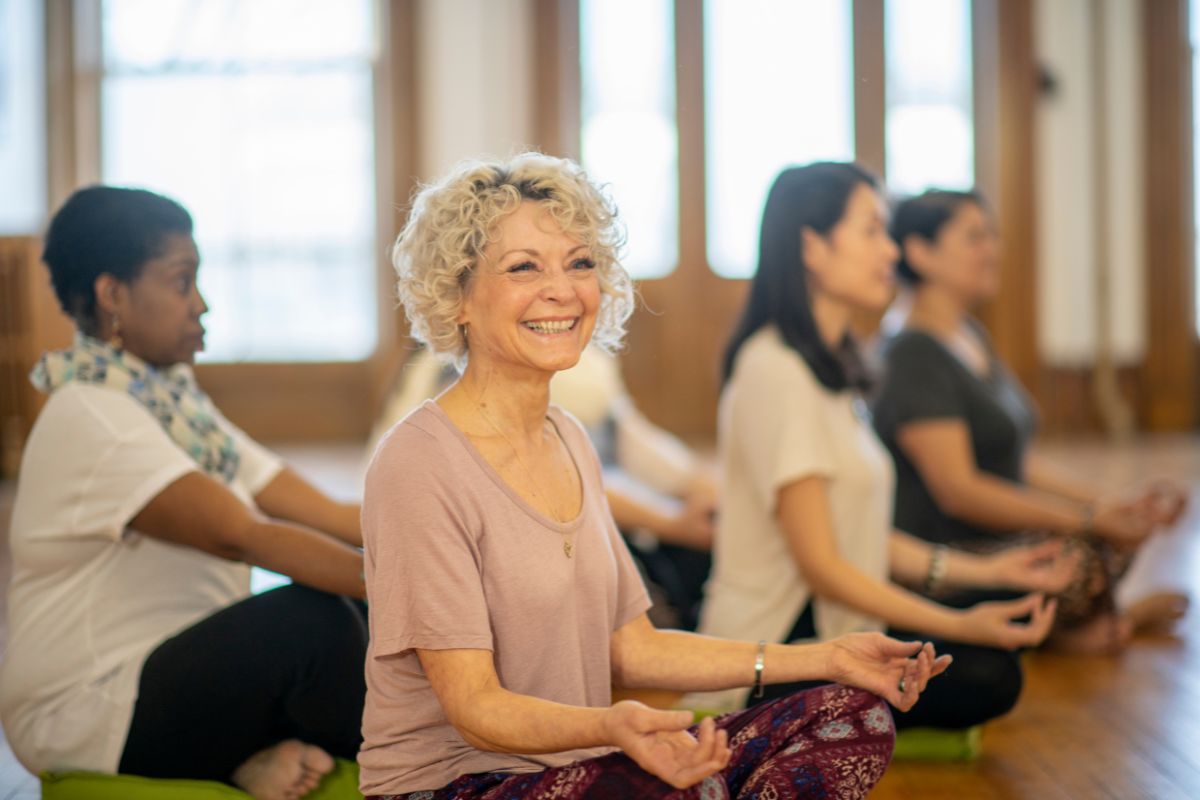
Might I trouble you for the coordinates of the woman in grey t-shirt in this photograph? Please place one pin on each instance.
(958, 424)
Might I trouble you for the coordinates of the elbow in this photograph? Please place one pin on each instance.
(820, 577)
(478, 742)
(469, 730)
(468, 713)
(237, 542)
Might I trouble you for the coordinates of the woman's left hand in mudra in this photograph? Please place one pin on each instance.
(659, 742)
(896, 671)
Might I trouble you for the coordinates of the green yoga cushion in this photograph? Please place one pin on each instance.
(936, 744)
(341, 784)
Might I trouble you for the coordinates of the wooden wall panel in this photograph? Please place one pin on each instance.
(1169, 373)
(870, 85)
(30, 323)
(556, 122)
(1005, 160)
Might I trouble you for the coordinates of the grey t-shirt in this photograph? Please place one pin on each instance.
(923, 380)
(455, 558)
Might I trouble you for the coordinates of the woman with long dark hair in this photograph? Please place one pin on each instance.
(805, 547)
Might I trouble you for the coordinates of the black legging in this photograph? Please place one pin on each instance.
(982, 683)
(281, 665)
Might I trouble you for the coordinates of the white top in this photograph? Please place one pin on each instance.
(91, 598)
(778, 424)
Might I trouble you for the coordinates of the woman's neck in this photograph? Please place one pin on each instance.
(832, 317)
(510, 406)
(936, 310)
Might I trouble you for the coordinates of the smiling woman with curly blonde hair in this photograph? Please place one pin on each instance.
(453, 220)
(503, 603)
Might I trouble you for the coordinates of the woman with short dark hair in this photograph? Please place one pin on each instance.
(959, 426)
(134, 644)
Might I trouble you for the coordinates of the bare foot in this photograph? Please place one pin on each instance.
(1157, 612)
(287, 771)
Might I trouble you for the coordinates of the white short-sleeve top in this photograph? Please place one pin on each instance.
(90, 597)
(778, 424)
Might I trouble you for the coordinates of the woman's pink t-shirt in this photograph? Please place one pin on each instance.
(456, 559)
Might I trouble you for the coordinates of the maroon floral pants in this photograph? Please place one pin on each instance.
(831, 741)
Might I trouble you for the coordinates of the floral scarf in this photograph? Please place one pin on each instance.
(171, 395)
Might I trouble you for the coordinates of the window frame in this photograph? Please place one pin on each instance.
(1003, 90)
(275, 401)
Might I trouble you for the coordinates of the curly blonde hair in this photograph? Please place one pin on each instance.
(454, 219)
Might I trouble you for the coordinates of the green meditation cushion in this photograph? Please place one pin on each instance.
(936, 744)
(341, 784)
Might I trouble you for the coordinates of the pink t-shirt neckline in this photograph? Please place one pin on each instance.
(562, 527)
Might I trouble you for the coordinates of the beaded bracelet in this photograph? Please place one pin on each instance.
(937, 568)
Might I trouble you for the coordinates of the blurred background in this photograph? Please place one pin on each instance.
(296, 130)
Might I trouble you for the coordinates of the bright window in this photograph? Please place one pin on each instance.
(257, 115)
(929, 128)
(22, 115)
(778, 92)
(629, 139)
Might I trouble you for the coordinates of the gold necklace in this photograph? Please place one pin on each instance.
(555, 510)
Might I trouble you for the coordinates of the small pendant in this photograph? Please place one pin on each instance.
(567, 547)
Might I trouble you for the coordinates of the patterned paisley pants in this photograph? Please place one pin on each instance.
(827, 742)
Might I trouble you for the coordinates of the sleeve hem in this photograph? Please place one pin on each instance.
(632, 610)
(395, 645)
(150, 488)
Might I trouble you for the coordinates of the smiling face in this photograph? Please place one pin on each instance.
(532, 300)
(853, 264)
(159, 311)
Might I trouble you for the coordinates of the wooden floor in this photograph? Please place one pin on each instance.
(1119, 728)
(1124, 728)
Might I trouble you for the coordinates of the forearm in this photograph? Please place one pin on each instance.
(1001, 505)
(345, 523)
(305, 556)
(290, 497)
(911, 561)
(1049, 478)
(501, 721)
(690, 662)
(838, 580)
(908, 558)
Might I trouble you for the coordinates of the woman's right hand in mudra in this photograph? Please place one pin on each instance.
(659, 742)
(1009, 624)
(896, 671)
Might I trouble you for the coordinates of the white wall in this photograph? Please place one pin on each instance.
(1074, 235)
(475, 80)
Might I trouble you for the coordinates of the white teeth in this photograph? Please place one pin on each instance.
(556, 326)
